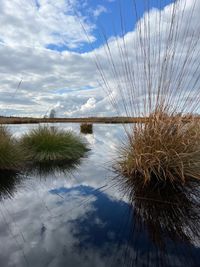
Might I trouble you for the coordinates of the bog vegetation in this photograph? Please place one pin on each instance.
(41, 145)
(11, 155)
(45, 144)
(154, 72)
(164, 149)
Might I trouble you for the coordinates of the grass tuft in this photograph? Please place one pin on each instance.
(164, 149)
(11, 156)
(86, 128)
(48, 144)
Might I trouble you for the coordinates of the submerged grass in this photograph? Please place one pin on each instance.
(48, 144)
(86, 128)
(11, 156)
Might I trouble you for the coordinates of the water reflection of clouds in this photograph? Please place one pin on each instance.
(81, 226)
(78, 229)
(47, 234)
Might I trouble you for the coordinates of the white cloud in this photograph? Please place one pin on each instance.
(99, 10)
(26, 23)
(90, 104)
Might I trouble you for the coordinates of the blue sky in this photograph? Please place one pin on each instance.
(107, 22)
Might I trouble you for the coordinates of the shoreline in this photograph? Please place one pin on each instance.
(110, 120)
(106, 120)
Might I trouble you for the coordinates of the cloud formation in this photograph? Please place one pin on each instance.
(42, 23)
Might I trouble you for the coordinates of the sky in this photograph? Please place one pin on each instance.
(47, 52)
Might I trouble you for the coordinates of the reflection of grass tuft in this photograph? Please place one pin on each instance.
(165, 210)
(86, 128)
(11, 157)
(44, 169)
(164, 149)
(46, 144)
(9, 180)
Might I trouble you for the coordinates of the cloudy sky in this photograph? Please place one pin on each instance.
(47, 52)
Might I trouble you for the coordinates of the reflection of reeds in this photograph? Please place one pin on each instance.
(86, 128)
(169, 213)
(154, 72)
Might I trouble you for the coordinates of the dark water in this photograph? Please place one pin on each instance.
(82, 216)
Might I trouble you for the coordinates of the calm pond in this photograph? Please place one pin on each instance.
(83, 217)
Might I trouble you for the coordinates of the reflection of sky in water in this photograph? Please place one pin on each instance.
(79, 218)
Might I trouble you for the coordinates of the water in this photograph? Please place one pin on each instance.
(81, 216)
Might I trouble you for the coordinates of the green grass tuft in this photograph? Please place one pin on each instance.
(48, 144)
(11, 156)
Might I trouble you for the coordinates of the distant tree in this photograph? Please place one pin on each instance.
(52, 114)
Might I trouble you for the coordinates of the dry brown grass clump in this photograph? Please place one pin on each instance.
(164, 149)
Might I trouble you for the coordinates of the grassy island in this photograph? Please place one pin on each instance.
(45, 145)
(49, 144)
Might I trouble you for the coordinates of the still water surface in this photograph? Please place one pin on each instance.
(81, 217)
